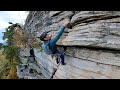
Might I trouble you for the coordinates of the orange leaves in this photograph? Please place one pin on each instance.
(21, 38)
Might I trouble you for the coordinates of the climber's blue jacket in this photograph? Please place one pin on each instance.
(56, 38)
(52, 43)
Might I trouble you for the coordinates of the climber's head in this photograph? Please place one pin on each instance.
(45, 36)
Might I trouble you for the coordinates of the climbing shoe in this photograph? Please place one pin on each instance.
(63, 64)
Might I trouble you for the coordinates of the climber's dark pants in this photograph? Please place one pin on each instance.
(61, 56)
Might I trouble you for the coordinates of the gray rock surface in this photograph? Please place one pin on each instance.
(92, 41)
(98, 34)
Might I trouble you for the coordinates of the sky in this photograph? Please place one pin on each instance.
(11, 16)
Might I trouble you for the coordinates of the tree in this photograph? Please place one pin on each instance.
(10, 50)
(1, 45)
(17, 38)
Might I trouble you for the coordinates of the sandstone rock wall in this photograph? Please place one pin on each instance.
(92, 41)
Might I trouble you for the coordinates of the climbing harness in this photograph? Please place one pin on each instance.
(57, 57)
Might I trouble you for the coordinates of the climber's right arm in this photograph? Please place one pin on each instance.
(59, 34)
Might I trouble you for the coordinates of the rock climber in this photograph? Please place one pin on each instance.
(49, 42)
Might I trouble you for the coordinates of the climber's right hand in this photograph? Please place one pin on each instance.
(67, 22)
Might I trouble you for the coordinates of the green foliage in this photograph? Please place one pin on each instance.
(10, 50)
(1, 46)
(11, 53)
(9, 34)
(5, 68)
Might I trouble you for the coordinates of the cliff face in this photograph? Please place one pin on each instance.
(92, 41)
